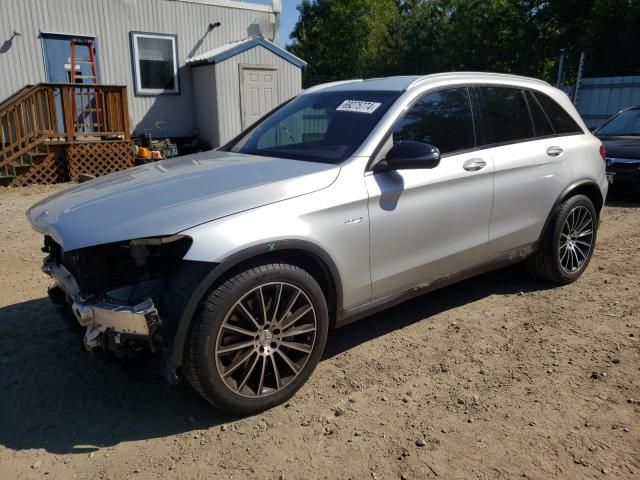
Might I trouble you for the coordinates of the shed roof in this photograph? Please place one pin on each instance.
(229, 50)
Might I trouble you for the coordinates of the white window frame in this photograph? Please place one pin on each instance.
(136, 64)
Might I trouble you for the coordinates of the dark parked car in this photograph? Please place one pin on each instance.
(621, 137)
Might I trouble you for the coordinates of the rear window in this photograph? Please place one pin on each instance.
(507, 114)
(560, 119)
(541, 122)
(626, 123)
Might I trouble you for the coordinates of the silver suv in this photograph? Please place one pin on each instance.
(235, 264)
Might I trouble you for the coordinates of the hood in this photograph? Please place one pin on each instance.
(167, 197)
(622, 147)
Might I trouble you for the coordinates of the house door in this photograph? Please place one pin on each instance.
(259, 92)
(57, 64)
(57, 58)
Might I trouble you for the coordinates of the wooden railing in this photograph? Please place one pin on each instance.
(60, 111)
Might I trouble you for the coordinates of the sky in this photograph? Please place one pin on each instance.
(288, 18)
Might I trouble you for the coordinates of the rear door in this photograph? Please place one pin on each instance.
(426, 224)
(532, 166)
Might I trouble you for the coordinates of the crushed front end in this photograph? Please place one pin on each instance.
(118, 291)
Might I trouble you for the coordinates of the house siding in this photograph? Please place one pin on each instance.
(111, 21)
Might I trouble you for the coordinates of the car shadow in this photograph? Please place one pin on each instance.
(623, 198)
(508, 281)
(58, 397)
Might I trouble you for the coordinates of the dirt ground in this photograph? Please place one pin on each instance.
(500, 376)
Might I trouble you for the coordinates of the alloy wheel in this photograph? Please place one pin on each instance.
(266, 339)
(576, 239)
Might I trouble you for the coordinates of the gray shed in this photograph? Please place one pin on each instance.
(237, 83)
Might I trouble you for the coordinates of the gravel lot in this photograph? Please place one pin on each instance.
(500, 376)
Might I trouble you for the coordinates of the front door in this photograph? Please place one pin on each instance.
(426, 224)
(259, 92)
(57, 58)
(58, 68)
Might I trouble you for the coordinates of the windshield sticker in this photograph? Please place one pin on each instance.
(359, 106)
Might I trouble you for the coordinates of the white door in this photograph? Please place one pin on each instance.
(259, 93)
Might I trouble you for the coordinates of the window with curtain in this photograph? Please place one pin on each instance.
(155, 63)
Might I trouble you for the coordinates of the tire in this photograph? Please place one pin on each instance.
(244, 365)
(563, 254)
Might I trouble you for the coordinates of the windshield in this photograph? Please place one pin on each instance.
(627, 123)
(323, 127)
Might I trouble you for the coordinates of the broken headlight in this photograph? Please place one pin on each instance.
(104, 267)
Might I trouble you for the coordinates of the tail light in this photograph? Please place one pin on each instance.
(603, 152)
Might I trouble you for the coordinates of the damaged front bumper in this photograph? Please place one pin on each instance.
(107, 322)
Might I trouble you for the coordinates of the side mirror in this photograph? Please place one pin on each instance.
(412, 155)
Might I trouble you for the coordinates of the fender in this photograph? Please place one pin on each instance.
(173, 358)
(584, 182)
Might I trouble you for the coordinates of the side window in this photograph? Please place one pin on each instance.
(561, 120)
(507, 114)
(541, 122)
(442, 119)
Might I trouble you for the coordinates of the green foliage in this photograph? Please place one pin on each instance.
(343, 38)
(363, 38)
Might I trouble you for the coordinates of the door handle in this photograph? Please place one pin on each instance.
(554, 151)
(474, 165)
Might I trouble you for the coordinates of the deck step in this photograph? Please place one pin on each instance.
(24, 160)
(5, 180)
(38, 158)
(19, 169)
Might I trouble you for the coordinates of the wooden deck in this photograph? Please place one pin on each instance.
(41, 124)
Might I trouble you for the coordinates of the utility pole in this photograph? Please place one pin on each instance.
(576, 92)
(560, 78)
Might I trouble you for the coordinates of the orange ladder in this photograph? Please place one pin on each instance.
(80, 115)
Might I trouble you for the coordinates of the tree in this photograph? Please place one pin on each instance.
(342, 39)
(360, 38)
(606, 30)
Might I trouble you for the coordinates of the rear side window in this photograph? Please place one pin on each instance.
(560, 119)
(541, 122)
(507, 114)
(442, 119)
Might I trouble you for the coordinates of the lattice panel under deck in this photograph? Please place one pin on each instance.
(99, 158)
(53, 169)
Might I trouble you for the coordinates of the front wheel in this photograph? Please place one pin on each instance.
(257, 338)
(567, 244)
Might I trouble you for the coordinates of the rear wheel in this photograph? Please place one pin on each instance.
(568, 243)
(257, 338)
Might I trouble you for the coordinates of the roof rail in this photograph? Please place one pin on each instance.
(506, 76)
(322, 86)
